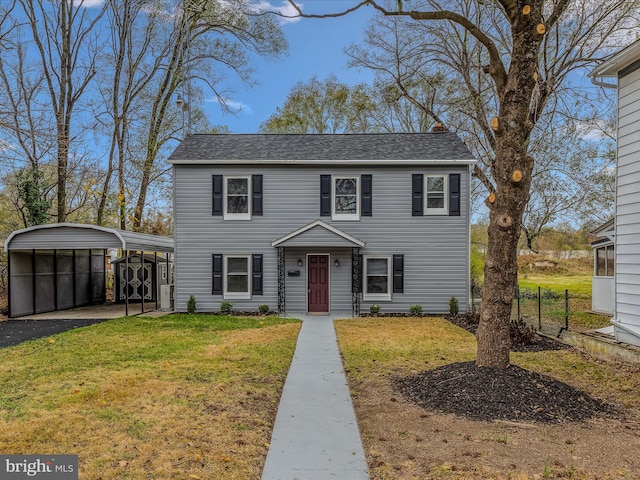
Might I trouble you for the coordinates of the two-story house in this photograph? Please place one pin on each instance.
(322, 223)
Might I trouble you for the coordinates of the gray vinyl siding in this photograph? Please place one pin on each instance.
(436, 248)
(628, 201)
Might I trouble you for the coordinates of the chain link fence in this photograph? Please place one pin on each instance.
(549, 311)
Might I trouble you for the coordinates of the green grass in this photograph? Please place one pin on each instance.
(136, 397)
(553, 288)
(576, 284)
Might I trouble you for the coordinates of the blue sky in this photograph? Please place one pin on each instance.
(315, 48)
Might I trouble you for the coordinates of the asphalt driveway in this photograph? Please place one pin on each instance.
(14, 332)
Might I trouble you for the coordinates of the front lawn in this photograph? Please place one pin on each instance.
(181, 396)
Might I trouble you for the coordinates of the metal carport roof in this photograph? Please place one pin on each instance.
(61, 266)
(81, 236)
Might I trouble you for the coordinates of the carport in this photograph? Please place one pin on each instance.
(61, 266)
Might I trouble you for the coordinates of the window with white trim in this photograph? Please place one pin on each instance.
(346, 198)
(237, 276)
(605, 261)
(237, 198)
(436, 195)
(377, 277)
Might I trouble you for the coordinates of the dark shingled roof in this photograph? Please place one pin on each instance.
(442, 146)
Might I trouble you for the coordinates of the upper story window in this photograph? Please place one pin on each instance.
(435, 194)
(346, 198)
(237, 197)
(605, 261)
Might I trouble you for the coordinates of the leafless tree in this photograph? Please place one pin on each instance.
(64, 34)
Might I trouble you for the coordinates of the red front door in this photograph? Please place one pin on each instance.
(318, 288)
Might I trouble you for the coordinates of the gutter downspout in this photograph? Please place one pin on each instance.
(600, 83)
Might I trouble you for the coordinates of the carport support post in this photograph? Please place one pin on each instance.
(142, 286)
(126, 283)
(155, 270)
(9, 282)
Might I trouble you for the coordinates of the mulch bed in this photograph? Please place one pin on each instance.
(482, 393)
(513, 394)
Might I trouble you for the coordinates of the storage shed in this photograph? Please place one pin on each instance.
(61, 266)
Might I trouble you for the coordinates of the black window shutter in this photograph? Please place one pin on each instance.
(256, 274)
(398, 273)
(217, 195)
(454, 194)
(217, 274)
(366, 194)
(325, 195)
(256, 195)
(417, 195)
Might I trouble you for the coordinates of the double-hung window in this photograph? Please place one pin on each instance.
(377, 278)
(237, 198)
(436, 195)
(346, 198)
(236, 276)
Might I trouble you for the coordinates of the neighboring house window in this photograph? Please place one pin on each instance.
(237, 276)
(377, 275)
(346, 197)
(435, 194)
(237, 197)
(605, 261)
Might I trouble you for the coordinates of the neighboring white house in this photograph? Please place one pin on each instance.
(603, 291)
(622, 72)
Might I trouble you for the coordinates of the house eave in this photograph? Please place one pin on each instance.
(332, 162)
(617, 62)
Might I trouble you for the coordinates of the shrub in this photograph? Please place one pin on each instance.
(453, 306)
(263, 309)
(225, 306)
(415, 310)
(375, 308)
(521, 333)
(191, 304)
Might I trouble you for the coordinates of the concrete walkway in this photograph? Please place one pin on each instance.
(316, 436)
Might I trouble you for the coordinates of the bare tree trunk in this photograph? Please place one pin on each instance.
(512, 174)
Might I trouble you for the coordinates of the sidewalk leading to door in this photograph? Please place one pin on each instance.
(316, 435)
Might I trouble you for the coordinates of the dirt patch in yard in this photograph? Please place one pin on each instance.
(554, 413)
(404, 440)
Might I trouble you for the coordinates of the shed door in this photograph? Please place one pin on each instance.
(318, 288)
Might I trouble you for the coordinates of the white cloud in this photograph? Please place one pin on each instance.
(92, 3)
(285, 9)
(232, 105)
